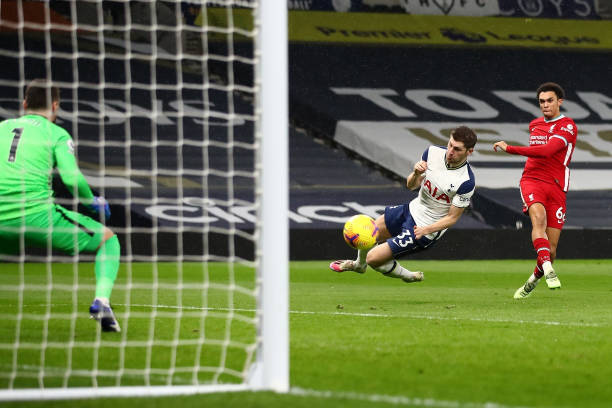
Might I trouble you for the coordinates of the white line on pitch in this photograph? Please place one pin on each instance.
(395, 399)
(384, 315)
(454, 318)
(409, 316)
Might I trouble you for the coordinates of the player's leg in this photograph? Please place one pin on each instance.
(534, 198)
(75, 232)
(106, 264)
(539, 238)
(108, 253)
(537, 215)
(553, 237)
(380, 258)
(555, 219)
(400, 241)
(541, 244)
(360, 265)
(552, 280)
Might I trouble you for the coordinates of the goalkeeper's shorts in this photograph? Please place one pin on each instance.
(64, 230)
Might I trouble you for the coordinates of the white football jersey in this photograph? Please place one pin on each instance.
(441, 188)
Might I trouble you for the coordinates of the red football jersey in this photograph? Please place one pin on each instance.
(551, 144)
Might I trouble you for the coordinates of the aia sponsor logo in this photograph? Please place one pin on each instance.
(435, 192)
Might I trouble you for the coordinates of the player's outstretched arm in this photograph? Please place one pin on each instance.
(553, 146)
(450, 219)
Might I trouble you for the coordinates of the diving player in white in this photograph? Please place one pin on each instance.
(447, 185)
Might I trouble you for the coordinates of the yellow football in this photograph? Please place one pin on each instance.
(360, 232)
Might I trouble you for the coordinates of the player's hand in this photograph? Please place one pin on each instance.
(100, 206)
(501, 145)
(420, 167)
(419, 232)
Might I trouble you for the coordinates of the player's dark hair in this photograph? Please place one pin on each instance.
(39, 94)
(551, 86)
(465, 135)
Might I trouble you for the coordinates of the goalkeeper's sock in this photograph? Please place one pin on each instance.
(107, 266)
(542, 247)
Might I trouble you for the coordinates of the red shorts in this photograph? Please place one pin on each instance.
(549, 195)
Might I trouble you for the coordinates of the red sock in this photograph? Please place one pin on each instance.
(538, 272)
(542, 247)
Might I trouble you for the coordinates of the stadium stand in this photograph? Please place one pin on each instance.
(385, 102)
(352, 89)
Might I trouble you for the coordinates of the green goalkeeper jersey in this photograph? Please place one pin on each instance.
(30, 148)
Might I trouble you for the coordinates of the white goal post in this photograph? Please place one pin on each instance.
(195, 168)
(275, 201)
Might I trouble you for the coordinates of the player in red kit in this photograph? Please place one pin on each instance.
(545, 181)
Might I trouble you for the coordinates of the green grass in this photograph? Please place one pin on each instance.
(457, 339)
(204, 319)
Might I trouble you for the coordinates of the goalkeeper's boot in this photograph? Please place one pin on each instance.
(525, 290)
(417, 276)
(552, 280)
(347, 265)
(104, 314)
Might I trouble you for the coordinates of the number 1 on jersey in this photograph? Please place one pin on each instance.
(13, 152)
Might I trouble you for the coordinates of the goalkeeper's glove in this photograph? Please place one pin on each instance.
(100, 206)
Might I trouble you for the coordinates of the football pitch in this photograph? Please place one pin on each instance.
(458, 339)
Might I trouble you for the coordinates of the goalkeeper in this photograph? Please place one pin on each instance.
(30, 148)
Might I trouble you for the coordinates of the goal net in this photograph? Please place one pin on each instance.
(178, 111)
